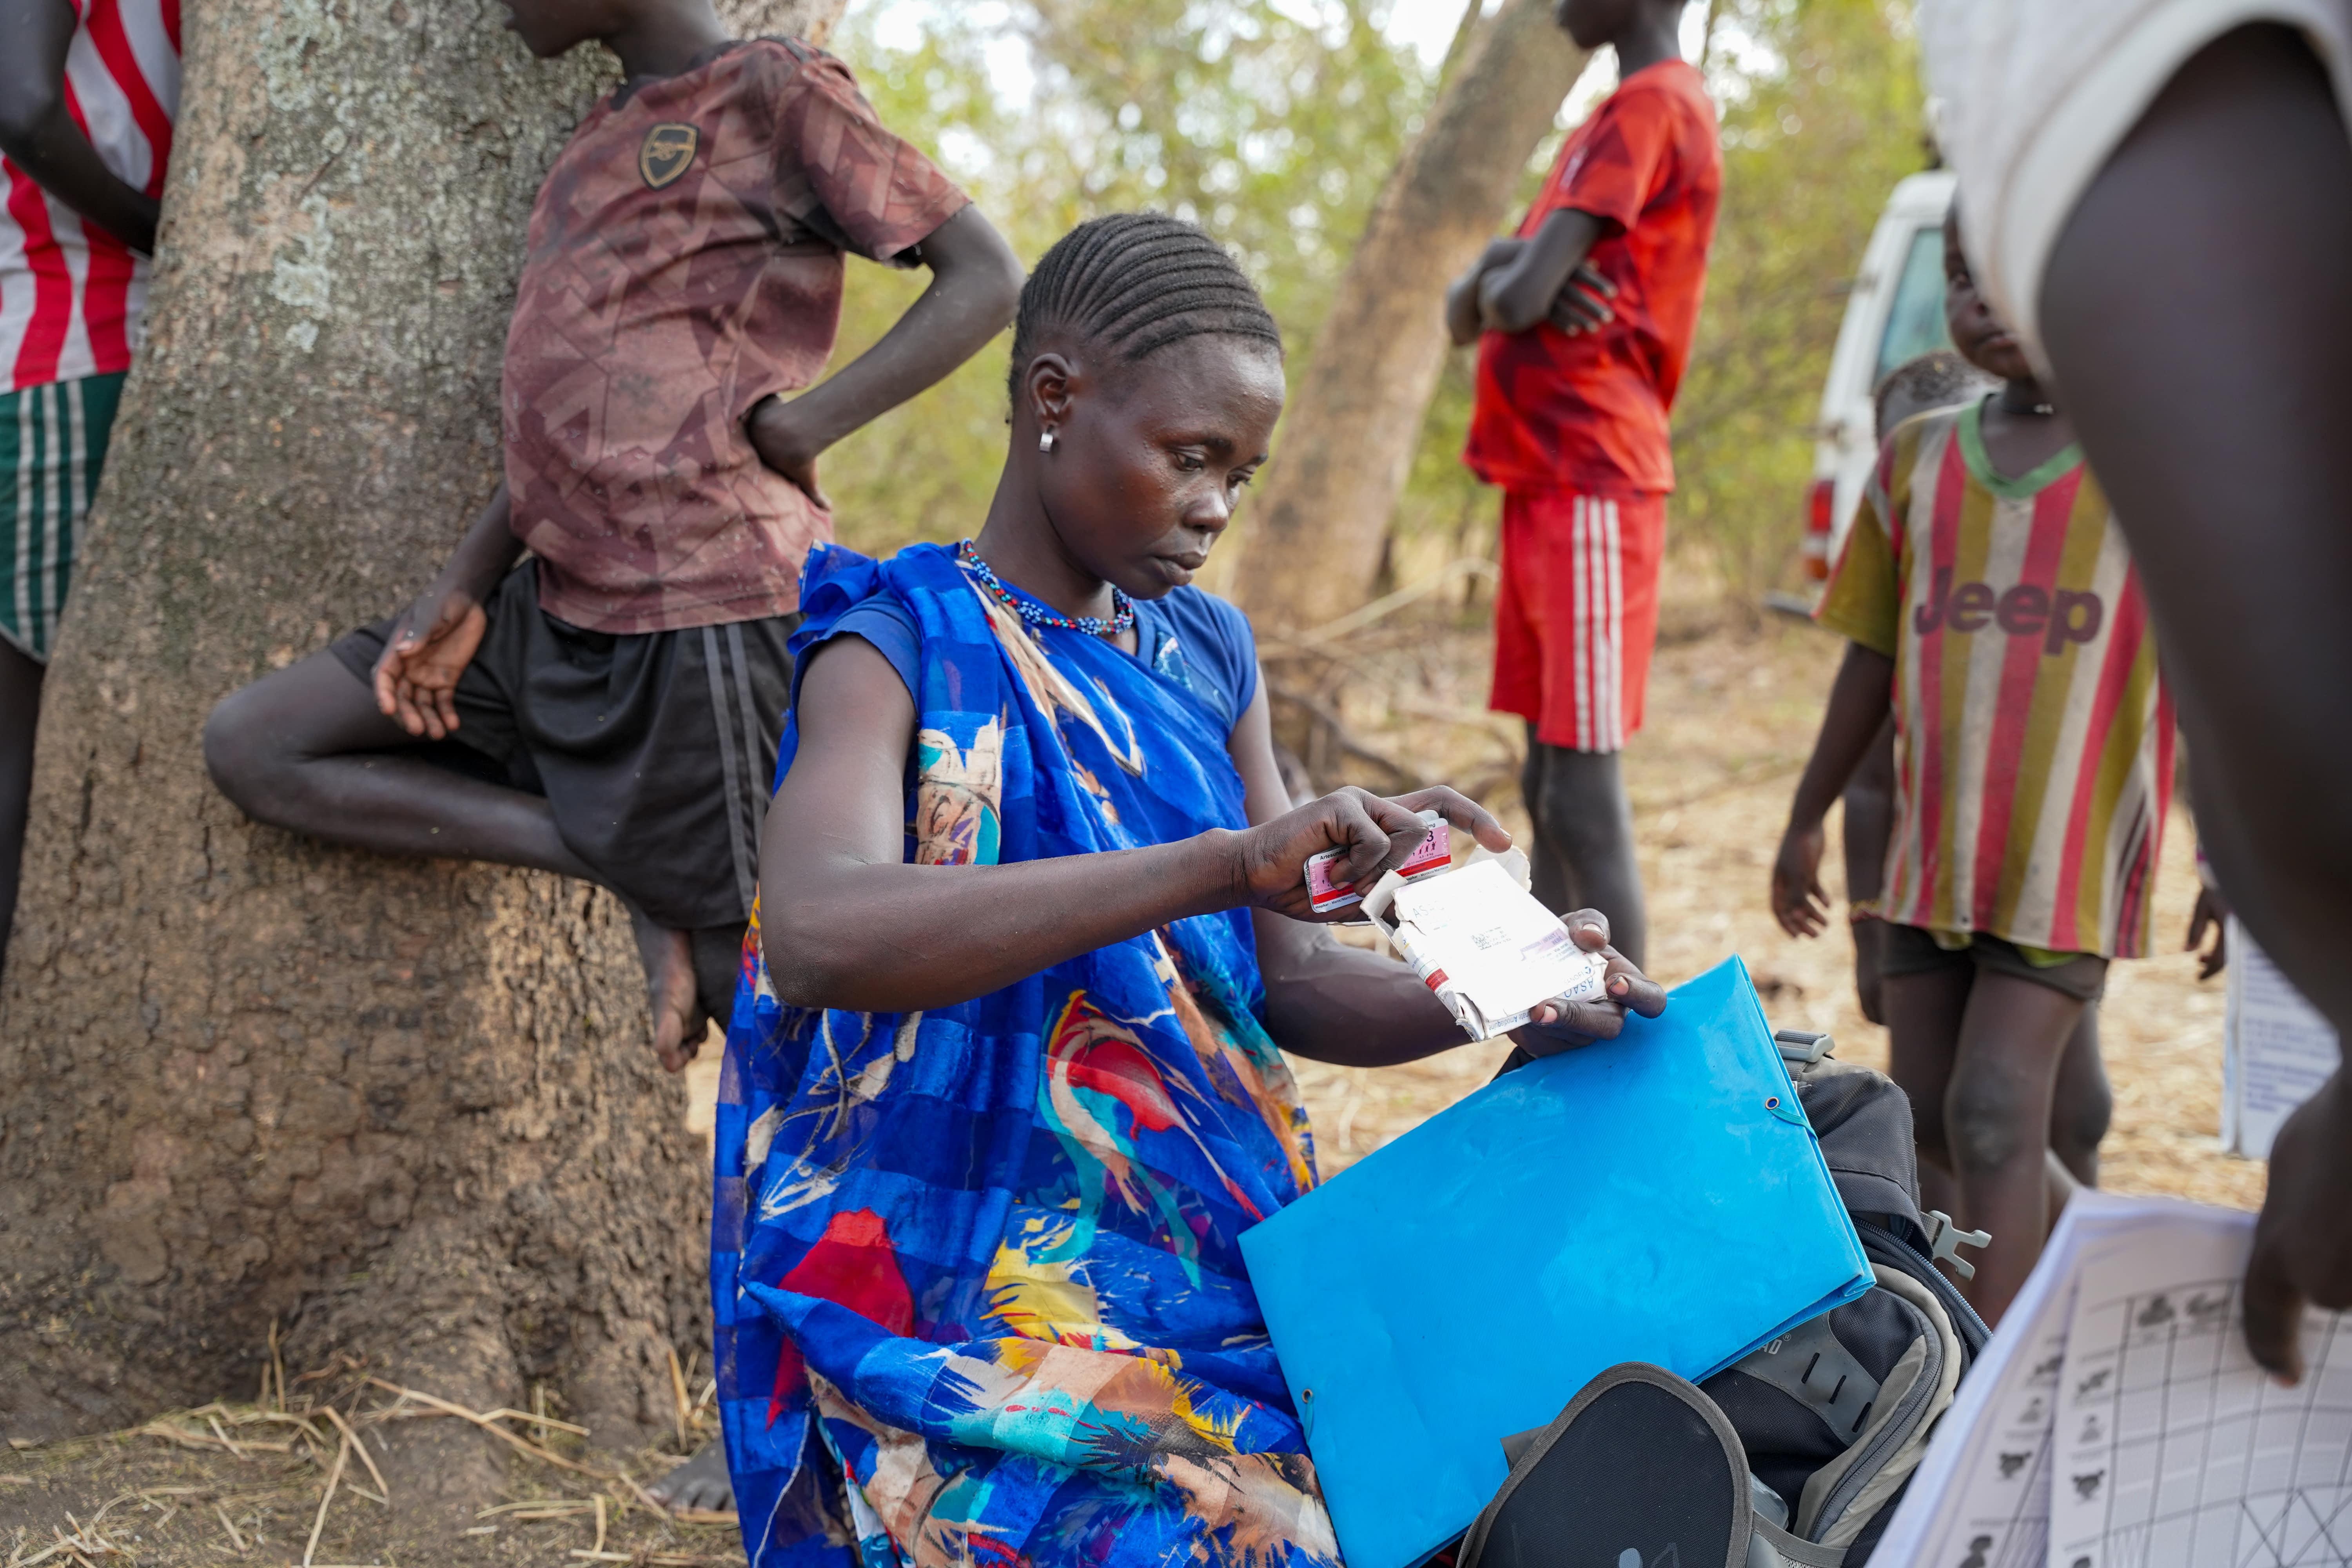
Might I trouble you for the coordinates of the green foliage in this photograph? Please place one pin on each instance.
(1813, 143)
(1275, 122)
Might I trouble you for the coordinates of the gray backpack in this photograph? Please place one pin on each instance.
(1824, 1425)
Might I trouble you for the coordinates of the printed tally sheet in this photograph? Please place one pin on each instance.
(2116, 1421)
(2276, 1049)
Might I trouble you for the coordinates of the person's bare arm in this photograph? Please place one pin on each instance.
(437, 635)
(975, 286)
(1547, 279)
(37, 131)
(1333, 1003)
(1462, 322)
(1859, 701)
(845, 923)
(1577, 304)
(2196, 309)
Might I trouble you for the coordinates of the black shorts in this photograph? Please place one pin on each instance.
(1909, 950)
(654, 751)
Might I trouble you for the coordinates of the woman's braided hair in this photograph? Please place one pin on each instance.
(1136, 282)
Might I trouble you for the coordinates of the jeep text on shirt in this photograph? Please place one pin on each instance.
(2034, 750)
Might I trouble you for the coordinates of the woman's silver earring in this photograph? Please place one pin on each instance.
(1045, 440)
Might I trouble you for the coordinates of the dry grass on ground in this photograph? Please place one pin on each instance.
(288, 1480)
(1731, 718)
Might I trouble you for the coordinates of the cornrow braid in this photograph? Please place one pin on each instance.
(1136, 282)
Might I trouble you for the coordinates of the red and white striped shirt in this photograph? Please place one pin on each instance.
(71, 295)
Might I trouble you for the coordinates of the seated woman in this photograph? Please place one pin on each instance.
(1003, 1085)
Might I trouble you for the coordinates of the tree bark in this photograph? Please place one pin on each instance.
(1312, 545)
(407, 1108)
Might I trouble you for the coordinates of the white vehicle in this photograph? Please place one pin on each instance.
(1894, 313)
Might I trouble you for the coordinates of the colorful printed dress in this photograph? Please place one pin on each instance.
(979, 1294)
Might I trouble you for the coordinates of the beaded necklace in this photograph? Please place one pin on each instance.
(1122, 615)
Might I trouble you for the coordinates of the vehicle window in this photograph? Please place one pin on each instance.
(1915, 325)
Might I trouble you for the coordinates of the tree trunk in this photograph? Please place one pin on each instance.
(1314, 542)
(406, 1107)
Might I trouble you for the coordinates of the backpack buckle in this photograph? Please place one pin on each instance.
(1802, 1047)
(1945, 1240)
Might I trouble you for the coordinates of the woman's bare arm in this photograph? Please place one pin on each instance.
(845, 923)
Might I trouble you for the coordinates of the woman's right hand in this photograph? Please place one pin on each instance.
(1374, 832)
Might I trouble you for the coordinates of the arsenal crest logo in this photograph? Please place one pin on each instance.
(667, 150)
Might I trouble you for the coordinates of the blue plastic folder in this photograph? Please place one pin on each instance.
(1656, 1198)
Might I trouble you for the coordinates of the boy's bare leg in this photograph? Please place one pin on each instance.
(20, 718)
(1584, 840)
(2080, 1110)
(2083, 1105)
(703, 1482)
(1869, 823)
(1924, 1016)
(1923, 1022)
(20, 715)
(2013, 1034)
(305, 749)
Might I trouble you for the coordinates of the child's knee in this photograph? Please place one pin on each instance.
(2079, 1120)
(1985, 1121)
(228, 740)
(237, 752)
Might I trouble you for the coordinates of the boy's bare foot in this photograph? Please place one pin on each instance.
(678, 1019)
(699, 1483)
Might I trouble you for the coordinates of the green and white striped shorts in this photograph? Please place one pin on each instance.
(52, 444)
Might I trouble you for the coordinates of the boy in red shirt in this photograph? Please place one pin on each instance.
(1585, 319)
(609, 708)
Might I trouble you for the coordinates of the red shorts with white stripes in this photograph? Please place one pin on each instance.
(1578, 614)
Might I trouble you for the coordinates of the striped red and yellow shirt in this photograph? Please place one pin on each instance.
(2033, 751)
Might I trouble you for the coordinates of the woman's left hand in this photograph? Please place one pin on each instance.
(1561, 1024)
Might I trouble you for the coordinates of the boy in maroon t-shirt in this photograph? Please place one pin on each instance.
(1584, 320)
(609, 709)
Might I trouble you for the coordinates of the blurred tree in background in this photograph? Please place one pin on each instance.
(1274, 123)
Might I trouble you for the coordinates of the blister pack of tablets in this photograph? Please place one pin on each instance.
(1434, 854)
(1482, 944)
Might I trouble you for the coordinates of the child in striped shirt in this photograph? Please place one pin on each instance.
(1989, 602)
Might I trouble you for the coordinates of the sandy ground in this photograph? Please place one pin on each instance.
(1731, 720)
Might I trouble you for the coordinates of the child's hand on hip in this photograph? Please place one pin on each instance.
(430, 646)
(1798, 902)
(777, 434)
(1563, 1025)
